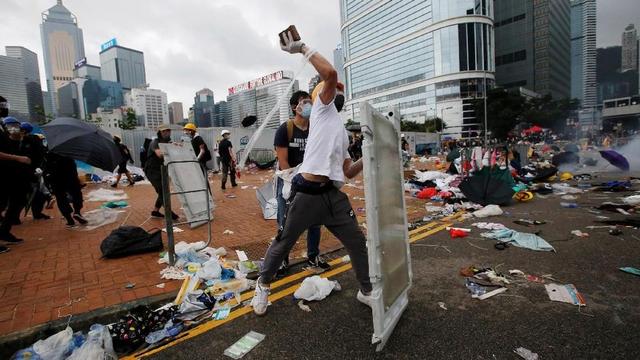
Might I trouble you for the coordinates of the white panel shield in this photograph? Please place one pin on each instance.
(387, 235)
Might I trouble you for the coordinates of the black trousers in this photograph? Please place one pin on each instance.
(16, 199)
(66, 196)
(227, 169)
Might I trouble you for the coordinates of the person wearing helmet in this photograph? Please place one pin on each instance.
(227, 159)
(36, 151)
(15, 161)
(122, 167)
(199, 146)
(315, 196)
(153, 166)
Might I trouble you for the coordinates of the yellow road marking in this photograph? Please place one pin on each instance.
(210, 325)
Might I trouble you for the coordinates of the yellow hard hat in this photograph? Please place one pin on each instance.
(190, 126)
(565, 176)
(523, 195)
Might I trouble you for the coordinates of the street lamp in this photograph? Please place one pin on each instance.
(442, 125)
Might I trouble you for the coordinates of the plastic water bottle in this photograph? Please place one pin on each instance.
(568, 205)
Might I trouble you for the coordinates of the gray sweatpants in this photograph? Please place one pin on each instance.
(331, 209)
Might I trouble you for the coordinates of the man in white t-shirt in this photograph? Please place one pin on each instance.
(315, 196)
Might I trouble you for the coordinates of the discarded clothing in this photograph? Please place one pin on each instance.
(194, 304)
(103, 195)
(520, 239)
(631, 270)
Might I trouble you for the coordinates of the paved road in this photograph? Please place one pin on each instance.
(340, 327)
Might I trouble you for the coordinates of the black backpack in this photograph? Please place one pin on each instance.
(130, 240)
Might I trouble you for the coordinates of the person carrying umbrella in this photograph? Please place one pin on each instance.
(153, 168)
(122, 167)
(62, 174)
(15, 178)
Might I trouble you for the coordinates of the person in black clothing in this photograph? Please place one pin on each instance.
(199, 146)
(61, 173)
(36, 152)
(15, 179)
(228, 159)
(122, 167)
(153, 166)
(144, 149)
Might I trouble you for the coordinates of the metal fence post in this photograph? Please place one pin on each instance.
(166, 200)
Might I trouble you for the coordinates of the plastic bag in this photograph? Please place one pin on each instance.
(316, 288)
(55, 346)
(211, 269)
(97, 346)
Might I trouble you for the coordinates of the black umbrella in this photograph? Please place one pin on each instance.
(249, 120)
(485, 189)
(82, 141)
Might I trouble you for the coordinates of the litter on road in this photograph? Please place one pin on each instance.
(243, 346)
(565, 293)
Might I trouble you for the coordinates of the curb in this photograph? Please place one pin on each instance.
(21, 339)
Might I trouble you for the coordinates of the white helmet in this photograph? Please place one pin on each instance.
(224, 132)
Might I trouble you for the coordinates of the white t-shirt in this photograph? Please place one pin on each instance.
(327, 144)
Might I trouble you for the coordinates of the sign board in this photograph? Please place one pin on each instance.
(267, 79)
(387, 235)
(108, 44)
(80, 62)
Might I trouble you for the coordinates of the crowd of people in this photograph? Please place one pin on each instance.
(33, 178)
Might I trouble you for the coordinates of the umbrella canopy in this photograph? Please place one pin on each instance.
(249, 120)
(535, 129)
(616, 159)
(82, 141)
(487, 187)
(453, 154)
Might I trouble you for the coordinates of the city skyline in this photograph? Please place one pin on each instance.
(241, 38)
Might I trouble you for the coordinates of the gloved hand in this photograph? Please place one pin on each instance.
(38, 171)
(291, 46)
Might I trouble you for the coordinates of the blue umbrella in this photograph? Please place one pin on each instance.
(616, 159)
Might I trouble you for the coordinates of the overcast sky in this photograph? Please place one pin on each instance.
(192, 44)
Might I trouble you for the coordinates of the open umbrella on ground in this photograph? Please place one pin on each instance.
(535, 129)
(616, 159)
(487, 187)
(82, 141)
(249, 120)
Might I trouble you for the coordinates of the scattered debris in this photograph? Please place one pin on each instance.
(526, 354)
(632, 200)
(303, 306)
(316, 288)
(227, 232)
(569, 205)
(480, 292)
(175, 229)
(565, 293)
(631, 270)
(130, 286)
(568, 197)
(241, 347)
(160, 286)
(615, 232)
(579, 233)
(442, 305)
(529, 222)
(489, 210)
(221, 313)
(230, 196)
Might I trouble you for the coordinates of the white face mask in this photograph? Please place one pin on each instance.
(13, 130)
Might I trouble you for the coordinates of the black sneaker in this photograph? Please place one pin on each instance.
(174, 216)
(284, 269)
(234, 185)
(157, 214)
(10, 238)
(71, 223)
(3, 249)
(79, 218)
(317, 265)
(42, 217)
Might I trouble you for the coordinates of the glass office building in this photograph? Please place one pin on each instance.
(583, 52)
(430, 58)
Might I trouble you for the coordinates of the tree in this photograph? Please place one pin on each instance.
(130, 121)
(431, 125)
(435, 124)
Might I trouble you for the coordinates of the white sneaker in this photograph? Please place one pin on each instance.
(260, 299)
(365, 299)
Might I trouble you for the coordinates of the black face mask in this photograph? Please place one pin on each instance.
(339, 102)
(4, 112)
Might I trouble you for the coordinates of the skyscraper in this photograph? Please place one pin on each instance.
(62, 46)
(629, 49)
(429, 57)
(32, 83)
(176, 114)
(221, 114)
(12, 86)
(150, 106)
(583, 52)
(258, 97)
(338, 62)
(123, 65)
(81, 97)
(87, 71)
(203, 108)
(533, 45)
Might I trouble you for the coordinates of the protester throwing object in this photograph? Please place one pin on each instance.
(316, 198)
